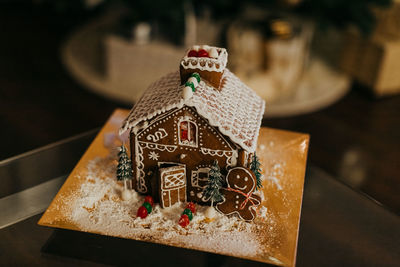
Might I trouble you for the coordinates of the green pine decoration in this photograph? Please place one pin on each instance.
(124, 169)
(214, 184)
(255, 168)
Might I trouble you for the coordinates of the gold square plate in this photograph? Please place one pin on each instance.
(283, 157)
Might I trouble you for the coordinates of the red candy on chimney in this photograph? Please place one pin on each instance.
(192, 53)
(202, 53)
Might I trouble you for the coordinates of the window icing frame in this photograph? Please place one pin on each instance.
(194, 179)
(189, 120)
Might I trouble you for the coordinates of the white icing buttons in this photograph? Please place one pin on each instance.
(213, 53)
(187, 93)
(194, 81)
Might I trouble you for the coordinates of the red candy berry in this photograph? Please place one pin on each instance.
(149, 200)
(142, 212)
(202, 53)
(192, 53)
(184, 220)
(192, 207)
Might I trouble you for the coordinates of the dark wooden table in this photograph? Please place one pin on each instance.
(356, 140)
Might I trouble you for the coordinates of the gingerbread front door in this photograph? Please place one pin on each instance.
(172, 185)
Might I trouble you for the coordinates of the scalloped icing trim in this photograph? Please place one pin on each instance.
(206, 63)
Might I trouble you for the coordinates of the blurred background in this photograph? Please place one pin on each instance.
(330, 68)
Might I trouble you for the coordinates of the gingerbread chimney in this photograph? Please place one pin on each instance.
(208, 61)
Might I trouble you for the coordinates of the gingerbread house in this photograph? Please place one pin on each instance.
(188, 119)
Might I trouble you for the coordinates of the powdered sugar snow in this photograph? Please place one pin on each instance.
(98, 207)
(272, 174)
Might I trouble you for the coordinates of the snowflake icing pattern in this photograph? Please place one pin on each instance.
(153, 155)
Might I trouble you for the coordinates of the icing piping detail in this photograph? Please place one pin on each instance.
(169, 148)
(153, 155)
(158, 135)
(141, 183)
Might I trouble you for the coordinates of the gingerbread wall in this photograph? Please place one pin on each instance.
(160, 142)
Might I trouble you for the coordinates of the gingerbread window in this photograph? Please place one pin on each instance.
(200, 177)
(187, 133)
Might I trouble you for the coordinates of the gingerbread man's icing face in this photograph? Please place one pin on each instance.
(240, 179)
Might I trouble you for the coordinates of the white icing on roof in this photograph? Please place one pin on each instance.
(236, 110)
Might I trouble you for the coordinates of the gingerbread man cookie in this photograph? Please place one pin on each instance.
(238, 196)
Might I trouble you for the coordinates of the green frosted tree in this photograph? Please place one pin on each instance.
(124, 169)
(255, 168)
(214, 184)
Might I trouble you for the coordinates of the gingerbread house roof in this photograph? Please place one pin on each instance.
(236, 110)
